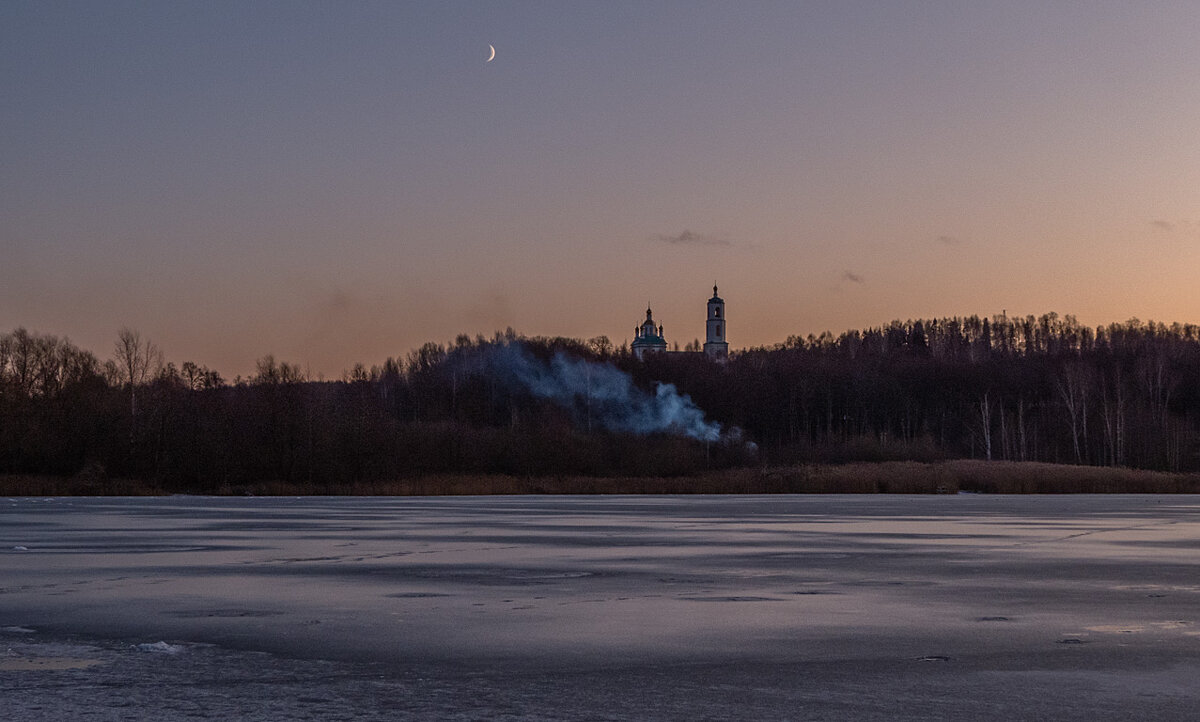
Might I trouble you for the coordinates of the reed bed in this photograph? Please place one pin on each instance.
(890, 477)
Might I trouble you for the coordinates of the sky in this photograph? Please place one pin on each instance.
(334, 183)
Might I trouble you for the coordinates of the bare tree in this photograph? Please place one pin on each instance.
(137, 360)
(21, 358)
(1073, 390)
(270, 372)
(601, 346)
(6, 344)
(34, 364)
(985, 414)
(1114, 404)
(199, 377)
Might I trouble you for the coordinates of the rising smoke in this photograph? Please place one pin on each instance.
(604, 396)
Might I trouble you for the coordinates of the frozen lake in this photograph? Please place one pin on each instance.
(769, 607)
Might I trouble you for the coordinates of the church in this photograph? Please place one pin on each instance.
(649, 338)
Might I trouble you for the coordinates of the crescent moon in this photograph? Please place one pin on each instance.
(492, 56)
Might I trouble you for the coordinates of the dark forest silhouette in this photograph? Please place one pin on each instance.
(1023, 389)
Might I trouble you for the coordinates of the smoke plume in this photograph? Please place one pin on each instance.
(602, 395)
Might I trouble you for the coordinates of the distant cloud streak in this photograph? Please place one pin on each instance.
(852, 277)
(949, 241)
(1163, 225)
(689, 238)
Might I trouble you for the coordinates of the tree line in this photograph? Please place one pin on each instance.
(1034, 388)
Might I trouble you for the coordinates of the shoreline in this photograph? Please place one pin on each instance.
(886, 477)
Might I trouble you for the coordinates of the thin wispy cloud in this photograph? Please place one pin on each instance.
(1163, 225)
(852, 277)
(690, 238)
(949, 240)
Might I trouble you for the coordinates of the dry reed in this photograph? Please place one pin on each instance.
(891, 477)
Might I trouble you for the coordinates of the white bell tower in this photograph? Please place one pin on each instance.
(715, 345)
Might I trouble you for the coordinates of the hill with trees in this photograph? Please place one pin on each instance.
(1043, 389)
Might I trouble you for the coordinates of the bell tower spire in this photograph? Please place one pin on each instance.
(715, 345)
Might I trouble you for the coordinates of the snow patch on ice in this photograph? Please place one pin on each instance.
(160, 648)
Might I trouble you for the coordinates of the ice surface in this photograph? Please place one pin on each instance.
(871, 607)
